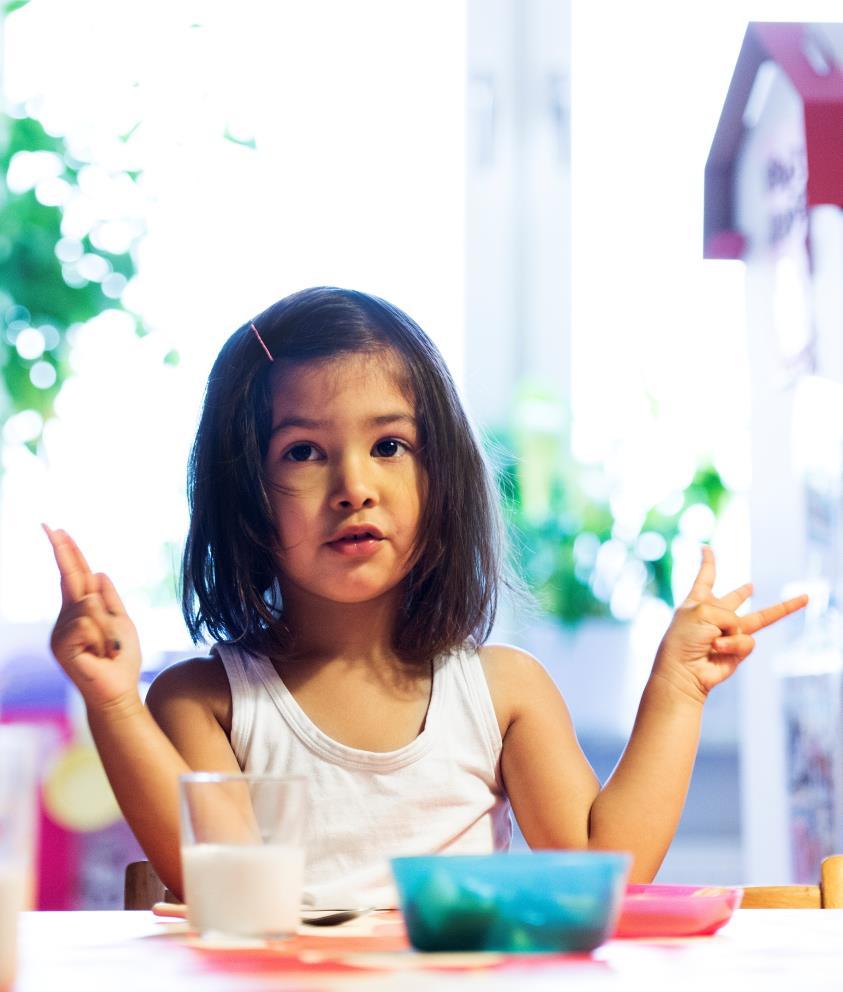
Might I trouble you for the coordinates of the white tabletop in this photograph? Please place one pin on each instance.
(126, 951)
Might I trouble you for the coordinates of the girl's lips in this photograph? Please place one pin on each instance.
(357, 547)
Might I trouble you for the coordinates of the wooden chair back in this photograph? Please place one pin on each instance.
(828, 894)
(142, 887)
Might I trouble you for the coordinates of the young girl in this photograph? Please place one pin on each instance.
(344, 551)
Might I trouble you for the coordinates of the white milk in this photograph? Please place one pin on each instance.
(12, 892)
(243, 890)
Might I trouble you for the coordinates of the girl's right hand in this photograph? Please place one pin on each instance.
(93, 640)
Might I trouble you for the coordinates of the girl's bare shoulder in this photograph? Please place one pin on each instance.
(514, 677)
(196, 684)
(505, 661)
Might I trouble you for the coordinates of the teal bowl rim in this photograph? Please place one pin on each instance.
(573, 857)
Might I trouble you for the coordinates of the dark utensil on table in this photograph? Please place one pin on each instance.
(335, 918)
(329, 919)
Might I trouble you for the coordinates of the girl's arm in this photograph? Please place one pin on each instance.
(554, 793)
(97, 645)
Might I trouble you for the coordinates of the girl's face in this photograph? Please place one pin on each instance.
(344, 476)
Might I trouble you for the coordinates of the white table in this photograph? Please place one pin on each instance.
(797, 950)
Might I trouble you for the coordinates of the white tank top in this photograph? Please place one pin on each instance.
(442, 792)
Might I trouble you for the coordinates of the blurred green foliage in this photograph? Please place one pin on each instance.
(559, 517)
(34, 291)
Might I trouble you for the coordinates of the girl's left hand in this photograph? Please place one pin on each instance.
(707, 640)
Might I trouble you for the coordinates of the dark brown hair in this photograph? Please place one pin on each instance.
(229, 567)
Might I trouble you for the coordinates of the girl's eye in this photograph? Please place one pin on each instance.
(389, 447)
(301, 453)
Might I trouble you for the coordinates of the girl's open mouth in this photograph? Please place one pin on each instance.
(357, 544)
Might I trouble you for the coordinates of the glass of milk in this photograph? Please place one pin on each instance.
(19, 748)
(242, 852)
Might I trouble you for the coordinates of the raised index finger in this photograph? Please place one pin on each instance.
(763, 618)
(77, 580)
(704, 582)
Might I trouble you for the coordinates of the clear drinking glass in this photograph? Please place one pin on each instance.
(243, 852)
(19, 749)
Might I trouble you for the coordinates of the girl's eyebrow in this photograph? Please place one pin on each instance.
(306, 423)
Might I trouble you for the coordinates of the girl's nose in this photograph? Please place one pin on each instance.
(354, 486)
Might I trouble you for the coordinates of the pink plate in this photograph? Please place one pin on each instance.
(675, 910)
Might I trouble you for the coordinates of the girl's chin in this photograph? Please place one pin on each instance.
(347, 594)
(347, 589)
(362, 598)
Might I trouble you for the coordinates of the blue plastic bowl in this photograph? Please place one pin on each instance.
(538, 901)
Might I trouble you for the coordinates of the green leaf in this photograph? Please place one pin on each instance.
(128, 134)
(245, 142)
(33, 280)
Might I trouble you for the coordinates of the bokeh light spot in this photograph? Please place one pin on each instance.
(22, 427)
(42, 375)
(30, 343)
(69, 249)
(650, 546)
(92, 267)
(113, 285)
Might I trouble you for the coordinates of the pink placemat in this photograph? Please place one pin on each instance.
(676, 910)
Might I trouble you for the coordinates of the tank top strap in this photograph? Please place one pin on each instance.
(470, 700)
(243, 699)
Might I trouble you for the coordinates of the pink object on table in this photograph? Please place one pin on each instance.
(675, 910)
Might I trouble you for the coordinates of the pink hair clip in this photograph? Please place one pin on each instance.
(261, 342)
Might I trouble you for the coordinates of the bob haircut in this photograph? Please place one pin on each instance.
(230, 565)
